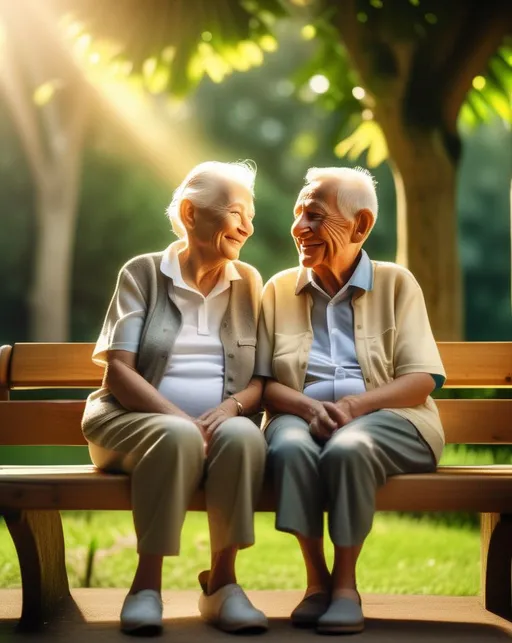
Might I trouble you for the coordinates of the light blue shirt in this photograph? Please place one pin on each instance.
(333, 370)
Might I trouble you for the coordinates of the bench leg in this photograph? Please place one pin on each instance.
(39, 542)
(496, 559)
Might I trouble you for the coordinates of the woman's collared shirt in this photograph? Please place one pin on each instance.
(196, 362)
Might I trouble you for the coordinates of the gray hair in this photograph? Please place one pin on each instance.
(203, 187)
(356, 188)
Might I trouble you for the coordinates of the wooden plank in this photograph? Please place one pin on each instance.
(477, 364)
(52, 422)
(93, 615)
(468, 364)
(57, 422)
(5, 361)
(476, 421)
(54, 366)
(482, 489)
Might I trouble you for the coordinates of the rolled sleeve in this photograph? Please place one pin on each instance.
(124, 321)
(415, 347)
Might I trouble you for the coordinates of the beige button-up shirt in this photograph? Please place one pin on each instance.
(391, 330)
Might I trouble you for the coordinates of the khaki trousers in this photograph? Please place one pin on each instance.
(165, 457)
(343, 474)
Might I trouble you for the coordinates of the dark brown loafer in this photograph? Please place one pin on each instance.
(310, 609)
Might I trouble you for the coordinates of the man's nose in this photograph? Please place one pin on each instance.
(299, 226)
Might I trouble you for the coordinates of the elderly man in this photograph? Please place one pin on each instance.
(346, 345)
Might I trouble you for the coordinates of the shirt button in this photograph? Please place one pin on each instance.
(230, 379)
(230, 355)
(225, 325)
(367, 379)
(359, 326)
(303, 365)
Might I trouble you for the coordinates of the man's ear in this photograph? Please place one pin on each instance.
(364, 220)
(188, 214)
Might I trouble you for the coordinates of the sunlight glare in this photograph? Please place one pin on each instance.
(319, 84)
(358, 93)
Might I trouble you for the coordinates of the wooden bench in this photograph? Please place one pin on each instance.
(31, 497)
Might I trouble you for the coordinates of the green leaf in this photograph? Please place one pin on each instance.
(45, 92)
(367, 136)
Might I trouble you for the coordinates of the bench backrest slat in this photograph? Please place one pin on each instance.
(468, 365)
(53, 423)
(54, 366)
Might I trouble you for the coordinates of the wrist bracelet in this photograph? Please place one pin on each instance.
(239, 406)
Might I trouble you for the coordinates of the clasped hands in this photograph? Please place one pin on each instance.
(325, 418)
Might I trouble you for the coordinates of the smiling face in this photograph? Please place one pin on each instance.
(222, 230)
(321, 233)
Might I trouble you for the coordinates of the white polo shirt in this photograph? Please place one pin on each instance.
(194, 377)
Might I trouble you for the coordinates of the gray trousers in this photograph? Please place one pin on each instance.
(165, 457)
(342, 474)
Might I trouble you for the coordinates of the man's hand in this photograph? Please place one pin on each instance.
(348, 408)
(327, 417)
(321, 424)
(210, 420)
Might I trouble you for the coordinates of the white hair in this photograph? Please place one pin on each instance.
(356, 188)
(203, 186)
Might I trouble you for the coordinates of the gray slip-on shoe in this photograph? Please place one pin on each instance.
(344, 616)
(230, 610)
(310, 609)
(142, 613)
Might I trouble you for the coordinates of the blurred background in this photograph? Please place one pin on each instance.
(105, 107)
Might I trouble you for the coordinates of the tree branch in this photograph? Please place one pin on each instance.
(485, 30)
(24, 116)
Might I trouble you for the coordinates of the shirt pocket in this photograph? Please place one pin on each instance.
(245, 360)
(290, 358)
(381, 354)
(247, 341)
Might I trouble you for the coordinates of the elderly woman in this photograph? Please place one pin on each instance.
(347, 348)
(178, 343)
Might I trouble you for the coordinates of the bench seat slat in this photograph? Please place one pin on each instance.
(58, 422)
(484, 489)
(468, 364)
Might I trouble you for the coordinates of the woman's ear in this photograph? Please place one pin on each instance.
(364, 223)
(188, 214)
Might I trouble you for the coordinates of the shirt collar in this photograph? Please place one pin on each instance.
(362, 277)
(170, 266)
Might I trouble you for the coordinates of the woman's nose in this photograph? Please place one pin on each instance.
(246, 227)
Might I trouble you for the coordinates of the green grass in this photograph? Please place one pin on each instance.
(423, 554)
(402, 555)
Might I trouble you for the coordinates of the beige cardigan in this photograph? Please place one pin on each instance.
(162, 324)
(392, 337)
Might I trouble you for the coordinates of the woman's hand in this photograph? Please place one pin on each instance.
(210, 420)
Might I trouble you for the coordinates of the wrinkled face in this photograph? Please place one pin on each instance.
(320, 231)
(224, 228)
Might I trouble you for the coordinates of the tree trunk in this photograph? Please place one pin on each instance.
(56, 208)
(425, 180)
